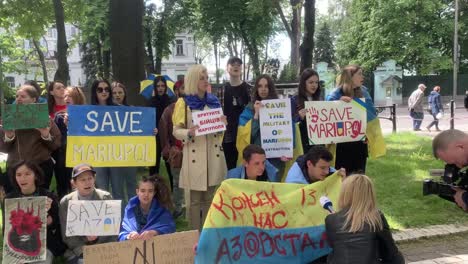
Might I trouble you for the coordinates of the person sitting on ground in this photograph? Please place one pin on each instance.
(254, 166)
(312, 167)
(26, 178)
(359, 232)
(148, 213)
(83, 180)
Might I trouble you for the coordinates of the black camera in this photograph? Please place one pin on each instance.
(452, 177)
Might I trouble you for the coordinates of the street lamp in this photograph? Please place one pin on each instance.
(456, 49)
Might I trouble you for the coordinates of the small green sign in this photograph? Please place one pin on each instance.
(24, 116)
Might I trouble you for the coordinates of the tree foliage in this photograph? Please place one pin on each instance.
(324, 49)
(417, 34)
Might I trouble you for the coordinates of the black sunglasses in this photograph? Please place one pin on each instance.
(101, 90)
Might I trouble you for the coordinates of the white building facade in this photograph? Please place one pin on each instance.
(182, 57)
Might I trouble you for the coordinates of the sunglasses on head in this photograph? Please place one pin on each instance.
(101, 90)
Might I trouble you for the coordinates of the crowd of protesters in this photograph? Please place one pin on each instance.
(150, 205)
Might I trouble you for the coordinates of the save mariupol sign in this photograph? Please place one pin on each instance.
(111, 136)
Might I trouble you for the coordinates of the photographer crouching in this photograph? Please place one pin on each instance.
(451, 146)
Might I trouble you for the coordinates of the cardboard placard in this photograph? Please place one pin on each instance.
(93, 218)
(209, 121)
(24, 240)
(276, 128)
(111, 136)
(163, 249)
(25, 116)
(335, 121)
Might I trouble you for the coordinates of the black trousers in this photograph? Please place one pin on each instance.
(62, 173)
(230, 154)
(155, 169)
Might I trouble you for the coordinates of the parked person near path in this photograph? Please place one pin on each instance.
(148, 214)
(26, 178)
(451, 146)
(160, 101)
(128, 174)
(309, 90)
(312, 167)
(415, 106)
(203, 164)
(73, 96)
(170, 147)
(34, 145)
(435, 104)
(83, 178)
(359, 232)
(248, 131)
(254, 166)
(234, 96)
(352, 156)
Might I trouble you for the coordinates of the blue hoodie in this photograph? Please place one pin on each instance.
(298, 172)
(239, 172)
(159, 219)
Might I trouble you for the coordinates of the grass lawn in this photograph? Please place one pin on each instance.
(398, 178)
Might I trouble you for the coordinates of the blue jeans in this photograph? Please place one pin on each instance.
(115, 179)
(417, 119)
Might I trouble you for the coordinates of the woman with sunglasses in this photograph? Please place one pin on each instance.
(101, 94)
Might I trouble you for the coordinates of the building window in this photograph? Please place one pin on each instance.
(10, 81)
(179, 47)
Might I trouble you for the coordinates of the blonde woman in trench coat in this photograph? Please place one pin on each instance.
(203, 164)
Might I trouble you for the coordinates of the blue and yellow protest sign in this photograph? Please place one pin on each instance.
(259, 222)
(111, 136)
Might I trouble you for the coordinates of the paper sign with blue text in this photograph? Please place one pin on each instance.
(93, 218)
(111, 136)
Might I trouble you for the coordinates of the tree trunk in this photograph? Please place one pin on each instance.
(62, 73)
(296, 35)
(252, 49)
(149, 51)
(215, 49)
(40, 54)
(100, 64)
(307, 46)
(127, 47)
(106, 63)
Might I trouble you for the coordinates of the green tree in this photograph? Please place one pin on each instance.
(324, 47)
(414, 33)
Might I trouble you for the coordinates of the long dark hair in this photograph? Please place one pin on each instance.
(50, 98)
(155, 83)
(302, 94)
(119, 84)
(94, 86)
(271, 88)
(162, 193)
(38, 173)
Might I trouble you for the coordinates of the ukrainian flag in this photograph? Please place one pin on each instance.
(147, 87)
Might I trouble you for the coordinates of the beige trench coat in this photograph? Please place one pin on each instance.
(203, 163)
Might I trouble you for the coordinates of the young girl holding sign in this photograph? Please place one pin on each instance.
(26, 178)
(352, 155)
(203, 163)
(309, 90)
(147, 214)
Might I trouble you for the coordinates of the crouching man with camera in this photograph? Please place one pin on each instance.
(451, 146)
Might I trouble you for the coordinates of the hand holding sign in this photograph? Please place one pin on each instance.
(209, 121)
